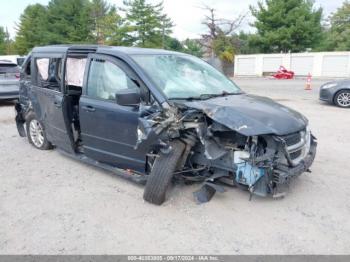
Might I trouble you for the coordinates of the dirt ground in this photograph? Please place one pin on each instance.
(51, 204)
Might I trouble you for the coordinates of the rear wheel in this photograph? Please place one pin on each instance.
(36, 133)
(161, 174)
(342, 98)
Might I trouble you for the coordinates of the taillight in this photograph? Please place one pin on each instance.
(17, 75)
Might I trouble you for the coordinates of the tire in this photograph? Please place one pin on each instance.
(36, 137)
(162, 173)
(342, 99)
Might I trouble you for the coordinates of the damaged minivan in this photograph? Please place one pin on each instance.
(155, 116)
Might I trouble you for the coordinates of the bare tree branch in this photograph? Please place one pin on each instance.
(220, 25)
(217, 26)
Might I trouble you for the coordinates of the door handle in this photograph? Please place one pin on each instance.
(89, 108)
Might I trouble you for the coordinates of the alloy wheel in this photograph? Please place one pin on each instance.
(343, 99)
(36, 132)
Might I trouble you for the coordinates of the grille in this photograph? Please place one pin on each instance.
(295, 154)
(292, 139)
(297, 145)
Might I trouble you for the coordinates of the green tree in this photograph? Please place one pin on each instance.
(98, 13)
(107, 24)
(193, 47)
(69, 21)
(286, 25)
(2, 41)
(338, 37)
(171, 43)
(148, 26)
(225, 47)
(9, 44)
(115, 29)
(31, 29)
(244, 43)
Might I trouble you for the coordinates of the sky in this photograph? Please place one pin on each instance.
(186, 14)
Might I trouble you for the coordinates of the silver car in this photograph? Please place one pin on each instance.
(9, 80)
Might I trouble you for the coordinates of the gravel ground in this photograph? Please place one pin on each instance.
(51, 204)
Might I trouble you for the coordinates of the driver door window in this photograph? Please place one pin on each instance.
(106, 79)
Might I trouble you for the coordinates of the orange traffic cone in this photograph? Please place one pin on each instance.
(308, 82)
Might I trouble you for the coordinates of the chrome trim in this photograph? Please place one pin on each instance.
(296, 147)
(303, 145)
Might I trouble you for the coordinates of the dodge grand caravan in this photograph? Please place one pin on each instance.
(154, 116)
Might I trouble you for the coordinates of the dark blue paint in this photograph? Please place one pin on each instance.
(109, 133)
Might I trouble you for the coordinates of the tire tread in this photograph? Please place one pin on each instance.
(162, 173)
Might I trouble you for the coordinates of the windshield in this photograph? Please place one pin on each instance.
(185, 77)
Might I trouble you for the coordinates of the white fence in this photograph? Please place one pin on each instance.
(322, 64)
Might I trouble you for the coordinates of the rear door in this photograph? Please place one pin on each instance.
(109, 130)
(48, 99)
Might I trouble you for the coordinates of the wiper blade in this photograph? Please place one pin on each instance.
(204, 96)
(186, 98)
(224, 93)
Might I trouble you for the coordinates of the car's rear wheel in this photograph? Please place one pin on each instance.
(162, 173)
(36, 133)
(342, 98)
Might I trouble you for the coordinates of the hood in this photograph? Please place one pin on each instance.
(251, 115)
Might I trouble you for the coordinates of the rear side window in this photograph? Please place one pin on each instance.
(20, 61)
(49, 73)
(106, 79)
(27, 68)
(8, 68)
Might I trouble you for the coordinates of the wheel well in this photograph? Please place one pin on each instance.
(26, 114)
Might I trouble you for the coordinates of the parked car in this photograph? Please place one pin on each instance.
(153, 116)
(283, 73)
(9, 80)
(17, 59)
(336, 92)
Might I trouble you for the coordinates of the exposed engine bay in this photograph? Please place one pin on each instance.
(218, 153)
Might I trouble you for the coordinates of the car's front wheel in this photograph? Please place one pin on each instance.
(342, 98)
(36, 133)
(162, 173)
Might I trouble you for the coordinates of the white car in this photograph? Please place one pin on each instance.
(9, 80)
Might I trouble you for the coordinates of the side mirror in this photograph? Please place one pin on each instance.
(128, 97)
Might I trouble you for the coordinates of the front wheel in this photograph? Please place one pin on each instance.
(342, 99)
(36, 133)
(161, 174)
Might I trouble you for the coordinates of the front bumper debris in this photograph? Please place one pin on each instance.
(276, 184)
(285, 173)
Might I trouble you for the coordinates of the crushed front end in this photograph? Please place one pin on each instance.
(261, 164)
(223, 147)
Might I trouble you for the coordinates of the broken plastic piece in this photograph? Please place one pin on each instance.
(207, 191)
